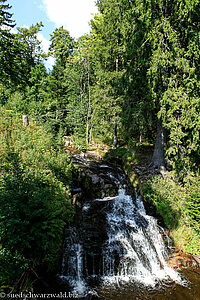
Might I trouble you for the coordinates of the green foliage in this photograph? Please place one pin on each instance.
(62, 45)
(164, 196)
(193, 202)
(173, 75)
(179, 207)
(34, 100)
(182, 121)
(108, 57)
(31, 46)
(140, 63)
(34, 197)
(19, 52)
(158, 71)
(5, 16)
(8, 48)
(80, 143)
(121, 156)
(12, 266)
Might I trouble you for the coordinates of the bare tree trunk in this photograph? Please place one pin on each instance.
(87, 132)
(117, 70)
(158, 158)
(82, 91)
(140, 140)
(89, 108)
(91, 124)
(115, 137)
(25, 120)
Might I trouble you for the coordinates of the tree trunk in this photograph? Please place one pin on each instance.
(89, 108)
(115, 138)
(91, 125)
(158, 158)
(25, 120)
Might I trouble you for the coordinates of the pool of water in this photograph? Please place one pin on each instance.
(168, 291)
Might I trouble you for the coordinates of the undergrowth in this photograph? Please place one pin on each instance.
(179, 205)
(35, 178)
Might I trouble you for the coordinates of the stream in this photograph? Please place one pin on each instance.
(115, 250)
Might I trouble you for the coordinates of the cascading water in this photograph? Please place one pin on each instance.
(72, 263)
(135, 251)
(132, 252)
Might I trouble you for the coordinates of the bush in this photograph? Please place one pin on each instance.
(193, 202)
(120, 156)
(162, 194)
(180, 207)
(35, 182)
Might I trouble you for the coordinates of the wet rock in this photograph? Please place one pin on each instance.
(76, 190)
(95, 179)
(181, 260)
(197, 259)
(108, 186)
(92, 181)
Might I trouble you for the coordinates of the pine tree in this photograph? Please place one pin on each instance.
(5, 17)
(8, 50)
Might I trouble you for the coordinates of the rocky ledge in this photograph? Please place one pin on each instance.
(89, 183)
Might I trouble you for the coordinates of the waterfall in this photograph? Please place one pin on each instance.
(135, 251)
(72, 263)
(131, 251)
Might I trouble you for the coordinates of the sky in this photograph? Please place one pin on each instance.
(73, 15)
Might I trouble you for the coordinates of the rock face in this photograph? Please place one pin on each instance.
(93, 179)
(181, 260)
(178, 259)
(92, 182)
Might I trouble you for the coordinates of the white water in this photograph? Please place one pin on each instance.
(72, 264)
(133, 253)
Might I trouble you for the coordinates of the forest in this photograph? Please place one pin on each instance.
(133, 81)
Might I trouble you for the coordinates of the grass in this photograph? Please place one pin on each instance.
(171, 201)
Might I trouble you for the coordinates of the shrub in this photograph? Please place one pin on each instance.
(179, 206)
(35, 182)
